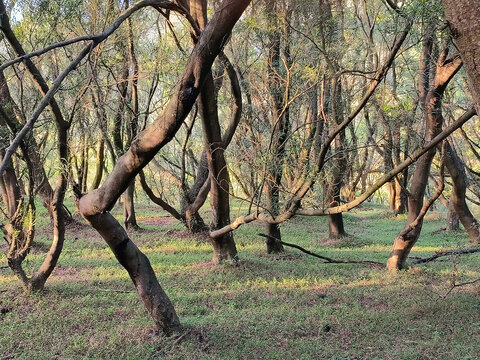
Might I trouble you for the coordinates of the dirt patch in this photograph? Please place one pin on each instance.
(158, 220)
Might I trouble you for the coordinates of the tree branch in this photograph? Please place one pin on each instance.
(73, 65)
(352, 204)
(327, 259)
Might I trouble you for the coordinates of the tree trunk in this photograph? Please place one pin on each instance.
(193, 220)
(95, 205)
(463, 17)
(400, 182)
(100, 163)
(57, 211)
(457, 200)
(14, 121)
(335, 221)
(129, 218)
(335, 226)
(224, 248)
(445, 70)
(138, 267)
(453, 223)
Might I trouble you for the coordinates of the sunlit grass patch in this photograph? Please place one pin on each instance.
(289, 305)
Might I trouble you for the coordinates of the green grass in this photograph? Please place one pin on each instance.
(288, 306)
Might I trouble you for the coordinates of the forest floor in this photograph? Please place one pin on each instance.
(288, 306)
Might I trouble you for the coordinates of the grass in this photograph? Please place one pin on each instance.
(288, 306)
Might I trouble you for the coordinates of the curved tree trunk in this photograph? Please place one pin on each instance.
(57, 211)
(95, 205)
(458, 201)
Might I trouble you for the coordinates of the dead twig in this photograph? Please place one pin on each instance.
(460, 285)
(327, 259)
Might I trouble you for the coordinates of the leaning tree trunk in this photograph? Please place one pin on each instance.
(463, 17)
(458, 200)
(445, 70)
(95, 206)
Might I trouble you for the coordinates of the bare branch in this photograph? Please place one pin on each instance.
(73, 65)
(352, 204)
(460, 285)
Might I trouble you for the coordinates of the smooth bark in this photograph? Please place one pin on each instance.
(463, 17)
(95, 206)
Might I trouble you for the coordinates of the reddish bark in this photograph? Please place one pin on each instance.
(463, 17)
(445, 70)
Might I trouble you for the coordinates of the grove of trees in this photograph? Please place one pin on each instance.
(285, 108)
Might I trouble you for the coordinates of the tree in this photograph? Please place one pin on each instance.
(446, 68)
(95, 205)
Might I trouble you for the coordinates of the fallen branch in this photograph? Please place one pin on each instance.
(445, 253)
(327, 259)
(181, 337)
